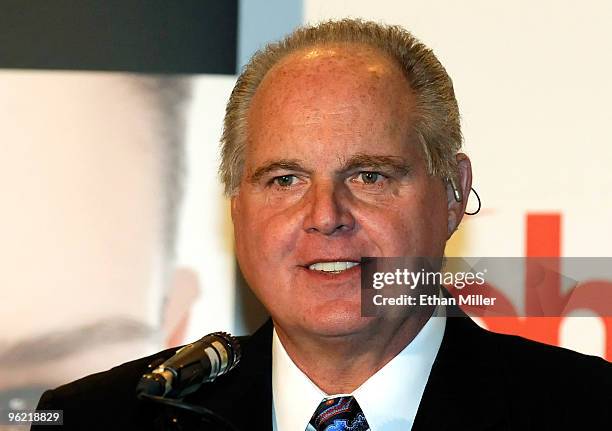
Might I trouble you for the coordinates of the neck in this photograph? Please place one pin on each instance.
(340, 364)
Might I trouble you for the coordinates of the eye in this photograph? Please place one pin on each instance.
(368, 177)
(285, 180)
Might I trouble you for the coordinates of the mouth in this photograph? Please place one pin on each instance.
(334, 267)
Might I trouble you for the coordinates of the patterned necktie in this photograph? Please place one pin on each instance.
(338, 414)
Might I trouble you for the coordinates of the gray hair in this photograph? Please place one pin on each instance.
(437, 126)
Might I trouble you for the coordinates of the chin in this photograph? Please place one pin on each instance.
(337, 320)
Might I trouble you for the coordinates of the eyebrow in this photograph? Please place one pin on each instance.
(59, 344)
(357, 161)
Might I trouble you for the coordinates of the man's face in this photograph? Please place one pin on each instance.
(331, 174)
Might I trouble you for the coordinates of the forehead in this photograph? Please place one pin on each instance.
(330, 73)
(339, 92)
(354, 61)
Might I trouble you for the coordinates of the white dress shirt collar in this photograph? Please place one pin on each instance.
(389, 399)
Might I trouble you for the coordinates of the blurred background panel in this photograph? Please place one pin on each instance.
(96, 105)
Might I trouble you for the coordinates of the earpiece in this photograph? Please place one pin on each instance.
(456, 190)
(459, 196)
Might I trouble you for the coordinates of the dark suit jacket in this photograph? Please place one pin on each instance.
(479, 381)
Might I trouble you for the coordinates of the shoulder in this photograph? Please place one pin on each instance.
(510, 379)
(552, 385)
(105, 399)
(539, 359)
(520, 356)
(97, 387)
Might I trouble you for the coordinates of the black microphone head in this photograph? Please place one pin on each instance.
(233, 348)
(192, 365)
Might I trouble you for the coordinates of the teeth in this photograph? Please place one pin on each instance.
(332, 266)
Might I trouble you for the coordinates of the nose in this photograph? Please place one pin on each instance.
(328, 211)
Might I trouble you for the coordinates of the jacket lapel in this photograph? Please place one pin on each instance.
(466, 386)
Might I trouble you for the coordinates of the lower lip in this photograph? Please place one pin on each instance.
(322, 276)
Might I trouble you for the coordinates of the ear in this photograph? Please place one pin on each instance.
(183, 291)
(235, 205)
(463, 182)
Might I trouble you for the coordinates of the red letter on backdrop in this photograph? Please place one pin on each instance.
(543, 233)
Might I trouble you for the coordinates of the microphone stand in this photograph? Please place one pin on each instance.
(206, 415)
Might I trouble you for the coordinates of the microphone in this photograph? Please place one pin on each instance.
(191, 366)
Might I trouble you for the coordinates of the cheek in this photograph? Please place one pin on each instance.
(390, 231)
(264, 243)
(414, 227)
(264, 237)
(429, 225)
